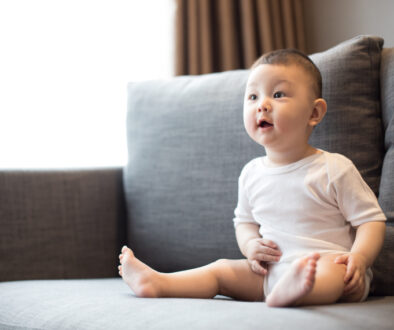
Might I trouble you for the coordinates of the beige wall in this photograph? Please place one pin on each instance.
(328, 22)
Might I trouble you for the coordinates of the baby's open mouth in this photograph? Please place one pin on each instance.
(265, 124)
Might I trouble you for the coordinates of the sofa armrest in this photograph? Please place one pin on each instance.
(60, 223)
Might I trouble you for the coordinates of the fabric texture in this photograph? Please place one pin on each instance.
(186, 148)
(60, 223)
(109, 304)
(214, 36)
(384, 265)
(386, 196)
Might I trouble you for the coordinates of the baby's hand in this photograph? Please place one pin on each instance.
(259, 251)
(355, 271)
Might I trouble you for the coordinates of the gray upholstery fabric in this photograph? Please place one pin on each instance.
(60, 223)
(383, 268)
(353, 125)
(384, 265)
(386, 198)
(109, 304)
(187, 146)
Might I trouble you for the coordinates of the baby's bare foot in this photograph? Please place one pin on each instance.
(142, 279)
(294, 284)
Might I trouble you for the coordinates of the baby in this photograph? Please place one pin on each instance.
(309, 226)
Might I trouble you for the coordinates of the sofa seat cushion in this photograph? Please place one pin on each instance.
(109, 304)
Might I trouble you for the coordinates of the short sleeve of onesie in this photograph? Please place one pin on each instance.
(355, 198)
(243, 211)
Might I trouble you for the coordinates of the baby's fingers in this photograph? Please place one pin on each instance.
(341, 259)
(354, 285)
(267, 257)
(350, 270)
(269, 243)
(258, 268)
(266, 250)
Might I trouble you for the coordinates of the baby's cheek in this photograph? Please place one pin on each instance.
(292, 125)
(249, 124)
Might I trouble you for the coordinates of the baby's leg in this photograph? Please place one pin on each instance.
(321, 282)
(232, 278)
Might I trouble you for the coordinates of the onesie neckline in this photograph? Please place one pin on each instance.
(289, 167)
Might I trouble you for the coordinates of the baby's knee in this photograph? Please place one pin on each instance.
(228, 264)
(327, 264)
(332, 275)
(222, 264)
(228, 267)
(219, 269)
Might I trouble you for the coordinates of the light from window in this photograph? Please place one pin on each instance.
(64, 68)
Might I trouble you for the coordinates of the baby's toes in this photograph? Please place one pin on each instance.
(312, 266)
(310, 272)
(120, 270)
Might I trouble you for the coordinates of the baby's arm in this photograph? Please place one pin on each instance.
(369, 240)
(365, 249)
(255, 248)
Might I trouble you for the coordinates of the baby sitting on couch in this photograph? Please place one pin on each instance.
(308, 225)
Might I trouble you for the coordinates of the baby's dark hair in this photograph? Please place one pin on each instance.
(293, 56)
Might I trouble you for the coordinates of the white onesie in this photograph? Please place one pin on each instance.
(308, 206)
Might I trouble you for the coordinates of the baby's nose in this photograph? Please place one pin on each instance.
(264, 107)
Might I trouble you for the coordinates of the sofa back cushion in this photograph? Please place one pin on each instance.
(187, 146)
(384, 265)
(386, 197)
(353, 125)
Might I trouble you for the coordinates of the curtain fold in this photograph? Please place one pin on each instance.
(221, 35)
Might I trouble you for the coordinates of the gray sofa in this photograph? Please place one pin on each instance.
(61, 230)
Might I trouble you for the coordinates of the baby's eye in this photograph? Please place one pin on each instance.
(252, 97)
(278, 95)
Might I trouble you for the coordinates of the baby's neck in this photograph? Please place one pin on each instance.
(276, 159)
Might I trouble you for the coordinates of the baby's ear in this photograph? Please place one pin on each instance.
(318, 113)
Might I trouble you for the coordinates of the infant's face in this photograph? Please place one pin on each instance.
(277, 106)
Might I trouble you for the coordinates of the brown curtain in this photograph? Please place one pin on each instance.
(220, 35)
